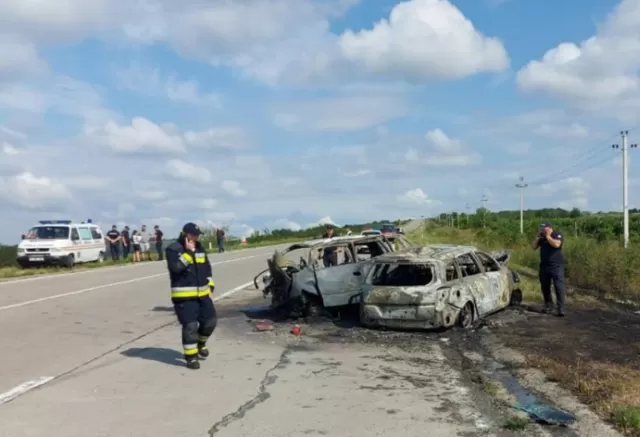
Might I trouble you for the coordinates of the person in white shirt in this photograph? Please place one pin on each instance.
(137, 242)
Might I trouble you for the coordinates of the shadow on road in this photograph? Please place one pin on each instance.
(162, 309)
(159, 354)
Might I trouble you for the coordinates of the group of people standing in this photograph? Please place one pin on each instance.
(137, 243)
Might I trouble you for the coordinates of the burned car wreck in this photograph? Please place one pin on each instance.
(437, 286)
(299, 284)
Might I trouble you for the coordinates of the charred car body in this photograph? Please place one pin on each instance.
(302, 286)
(437, 286)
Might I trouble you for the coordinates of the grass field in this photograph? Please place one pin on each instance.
(594, 350)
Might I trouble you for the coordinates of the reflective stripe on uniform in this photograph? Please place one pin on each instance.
(186, 259)
(185, 292)
(202, 339)
(211, 283)
(201, 257)
(190, 349)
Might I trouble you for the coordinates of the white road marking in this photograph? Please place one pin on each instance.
(30, 385)
(113, 284)
(232, 291)
(23, 388)
(104, 269)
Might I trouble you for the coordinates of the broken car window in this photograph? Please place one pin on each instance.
(468, 266)
(402, 275)
(489, 264)
(452, 272)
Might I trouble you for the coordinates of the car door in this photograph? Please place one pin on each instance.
(342, 284)
(498, 279)
(476, 282)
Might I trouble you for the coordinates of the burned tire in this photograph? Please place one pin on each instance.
(516, 298)
(466, 316)
(312, 305)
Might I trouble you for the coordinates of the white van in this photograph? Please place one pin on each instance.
(61, 242)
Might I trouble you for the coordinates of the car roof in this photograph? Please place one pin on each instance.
(430, 252)
(325, 241)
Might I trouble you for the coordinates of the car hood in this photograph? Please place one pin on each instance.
(422, 295)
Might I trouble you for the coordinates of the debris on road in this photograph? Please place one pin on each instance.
(263, 326)
(296, 330)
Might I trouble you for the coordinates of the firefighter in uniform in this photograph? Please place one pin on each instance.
(191, 287)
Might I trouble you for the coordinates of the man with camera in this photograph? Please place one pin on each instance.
(551, 269)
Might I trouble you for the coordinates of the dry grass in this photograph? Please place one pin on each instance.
(593, 351)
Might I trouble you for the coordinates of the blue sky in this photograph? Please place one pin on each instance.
(273, 113)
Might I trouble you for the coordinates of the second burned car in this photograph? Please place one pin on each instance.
(298, 282)
(437, 286)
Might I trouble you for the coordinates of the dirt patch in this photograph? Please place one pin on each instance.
(593, 352)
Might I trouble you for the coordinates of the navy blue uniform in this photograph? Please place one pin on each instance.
(330, 254)
(551, 270)
(191, 285)
(113, 234)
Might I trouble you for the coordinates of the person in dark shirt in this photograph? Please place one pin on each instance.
(220, 238)
(125, 239)
(158, 235)
(330, 255)
(113, 240)
(551, 269)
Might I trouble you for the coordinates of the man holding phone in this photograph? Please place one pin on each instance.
(191, 280)
(551, 269)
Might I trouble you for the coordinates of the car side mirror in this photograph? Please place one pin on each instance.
(357, 273)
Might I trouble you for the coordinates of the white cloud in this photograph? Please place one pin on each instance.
(10, 150)
(600, 72)
(424, 39)
(233, 188)
(140, 135)
(573, 131)
(26, 190)
(415, 197)
(340, 114)
(444, 152)
(186, 171)
(151, 82)
(19, 58)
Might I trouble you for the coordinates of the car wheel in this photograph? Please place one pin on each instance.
(100, 257)
(70, 261)
(516, 298)
(466, 316)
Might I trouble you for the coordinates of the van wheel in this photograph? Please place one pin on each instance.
(24, 265)
(100, 257)
(71, 260)
(466, 316)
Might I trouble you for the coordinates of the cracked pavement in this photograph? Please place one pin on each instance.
(114, 355)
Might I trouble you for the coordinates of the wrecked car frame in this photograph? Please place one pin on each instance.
(437, 286)
(301, 287)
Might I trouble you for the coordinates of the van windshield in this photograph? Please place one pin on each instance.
(48, 233)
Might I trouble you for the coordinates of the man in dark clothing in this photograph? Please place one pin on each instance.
(220, 238)
(550, 242)
(191, 280)
(125, 239)
(330, 255)
(113, 240)
(158, 236)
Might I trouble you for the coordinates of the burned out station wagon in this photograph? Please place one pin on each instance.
(436, 286)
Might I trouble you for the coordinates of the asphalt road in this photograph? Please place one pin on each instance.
(98, 354)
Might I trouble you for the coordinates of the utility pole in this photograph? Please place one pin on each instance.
(484, 210)
(522, 186)
(625, 182)
(467, 216)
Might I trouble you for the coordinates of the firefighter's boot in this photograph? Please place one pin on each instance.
(193, 363)
(203, 352)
